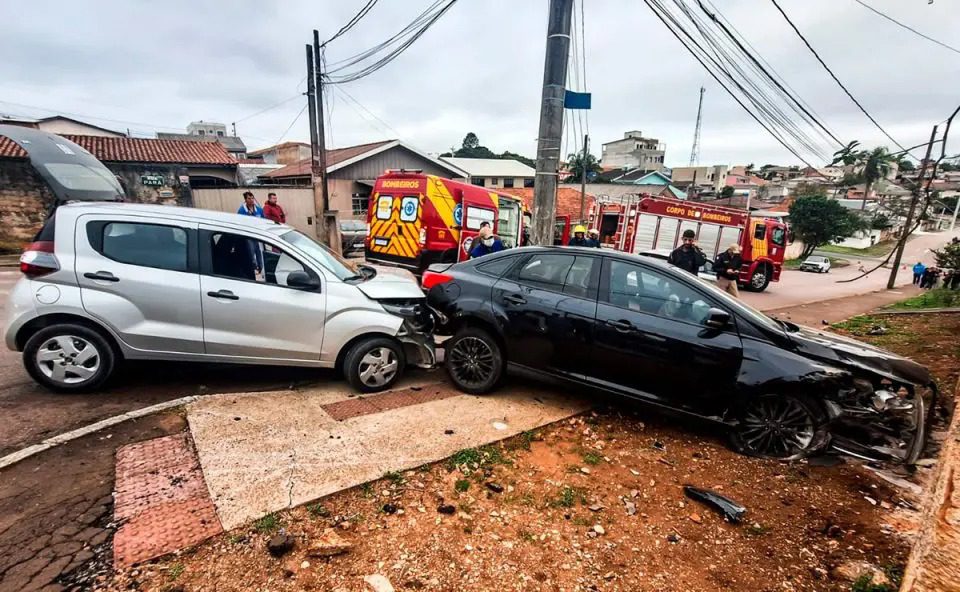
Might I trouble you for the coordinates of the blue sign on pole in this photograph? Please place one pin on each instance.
(575, 100)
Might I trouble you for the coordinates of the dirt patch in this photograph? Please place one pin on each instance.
(56, 509)
(559, 485)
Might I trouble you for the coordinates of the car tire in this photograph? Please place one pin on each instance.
(474, 361)
(374, 364)
(759, 280)
(69, 358)
(766, 422)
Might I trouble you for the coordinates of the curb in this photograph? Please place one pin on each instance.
(921, 311)
(934, 561)
(65, 437)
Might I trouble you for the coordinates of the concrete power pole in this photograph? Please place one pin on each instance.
(315, 169)
(551, 121)
(913, 207)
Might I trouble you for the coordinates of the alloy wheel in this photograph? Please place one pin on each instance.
(779, 427)
(758, 280)
(378, 366)
(68, 359)
(471, 360)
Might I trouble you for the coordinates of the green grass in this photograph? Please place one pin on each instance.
(592, 458)
(522, 441)
(938, 298)
(394, 476)
(878, 250)
(462, 485)
(318, 511)
(175, 570)
(268, 523)
(863, 324)
(482, 458)
(568, 497)
(865, 584)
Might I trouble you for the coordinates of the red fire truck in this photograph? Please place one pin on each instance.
(655, 224)
(415, 220)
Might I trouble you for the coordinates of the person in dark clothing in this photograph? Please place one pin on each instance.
(727, 268)
(485, 243)
(593, 239)
(688, 255)
(579, 238)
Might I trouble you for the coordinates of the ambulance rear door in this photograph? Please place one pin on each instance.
(477, 207)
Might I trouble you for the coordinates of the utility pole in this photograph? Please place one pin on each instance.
(695, 150)
(327, 224)
(913, 206)
(583, 175)
(314, 147)
(234, 125)
(551, 121)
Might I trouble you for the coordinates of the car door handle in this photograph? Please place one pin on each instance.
(102, 276)
(223, 295)
(621, 325)
(515, 299)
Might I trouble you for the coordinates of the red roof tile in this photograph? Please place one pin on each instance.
(335, 156)
(568, 200)
(10, 149)
(149, 150)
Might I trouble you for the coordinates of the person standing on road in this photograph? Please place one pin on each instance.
(273, 211)
(918, 270)
(688, 255)
(486, 243)
(579, 237)
(250, 207)
(594, 240)
(727, 268)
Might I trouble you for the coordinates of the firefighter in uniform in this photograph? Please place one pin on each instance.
(579, 237)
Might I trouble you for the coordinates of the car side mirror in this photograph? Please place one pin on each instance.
(302, 281)
(717, 319)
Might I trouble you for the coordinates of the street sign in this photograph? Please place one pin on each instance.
(155, 180)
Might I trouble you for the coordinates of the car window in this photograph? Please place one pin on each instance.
(579, 281)
(498, 266)
(760, 232)
(546, 271)
(147, 245)
(384, 207)
(778, 236)
(640, 289)
(243, 258)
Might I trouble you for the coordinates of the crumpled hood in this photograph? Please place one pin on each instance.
(391, 285)
(834, 348)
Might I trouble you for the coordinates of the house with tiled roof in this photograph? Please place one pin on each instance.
(568, 200)
(352, 171)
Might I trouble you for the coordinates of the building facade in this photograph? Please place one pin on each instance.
(634, 152)
(701, 177)
(495, 173)
(205, 131)
(286, 153)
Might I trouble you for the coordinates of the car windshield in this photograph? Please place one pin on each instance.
(739, 307)
(352, 225)
(340, 267)
(816, 259)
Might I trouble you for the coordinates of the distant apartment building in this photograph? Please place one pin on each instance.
(634, 152)
(496, 173)
(703, 177)
(208, 131)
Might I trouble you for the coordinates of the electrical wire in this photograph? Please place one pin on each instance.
(350, 97)
(837, 80)
(353, 21)
(907, 27)
(271, 107)
(292, 123)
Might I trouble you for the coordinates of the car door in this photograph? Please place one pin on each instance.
(249, 311)
(549, 304)
(139, 276)
(651, 340)
(476, 211)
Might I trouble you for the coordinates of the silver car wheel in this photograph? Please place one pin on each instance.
(68, 359)
(378, 367)
(758, 280)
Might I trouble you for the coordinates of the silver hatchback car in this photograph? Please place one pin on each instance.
(108, 282)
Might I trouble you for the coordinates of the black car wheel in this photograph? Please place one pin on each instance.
(780, 426)
(474, 361)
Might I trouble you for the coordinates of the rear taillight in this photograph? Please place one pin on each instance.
(432, 278)
(39, 259)
(423, 236)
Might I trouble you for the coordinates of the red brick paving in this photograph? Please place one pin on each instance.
(344, 410)
(161, 500)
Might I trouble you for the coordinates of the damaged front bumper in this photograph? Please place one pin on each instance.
(882, 420)
(416, 332)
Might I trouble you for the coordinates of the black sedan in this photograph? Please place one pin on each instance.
(641, 328)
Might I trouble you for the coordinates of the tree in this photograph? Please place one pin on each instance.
(575, 165)
(881, 221)
(904, 164)
(726, 192)
(872, 164)
(949, 256)
(507, 155)
(470, 141)
(818, 220)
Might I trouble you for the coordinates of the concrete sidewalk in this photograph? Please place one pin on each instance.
(265, 452)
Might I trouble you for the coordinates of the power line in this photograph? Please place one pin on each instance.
(353, 21)
(583, 52)
(292, 123)
(837, 80)
(372, 114)
(271, 107)
(907, 27)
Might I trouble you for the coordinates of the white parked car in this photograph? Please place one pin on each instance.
(107, 282)
(816, 263)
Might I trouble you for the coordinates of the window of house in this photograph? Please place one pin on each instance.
(478, 181)
(494, 181)
(240, 257)
(201, 133)
(528, 182)
(639, 289)
(146, 245)
(508, 182)
(359, 204)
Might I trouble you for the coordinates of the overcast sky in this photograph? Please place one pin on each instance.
(156, 67)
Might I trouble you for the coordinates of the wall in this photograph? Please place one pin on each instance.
(297, 202)
(714, 176)
(171, 193)
(24, 202)
(623, 153)
(59, 126)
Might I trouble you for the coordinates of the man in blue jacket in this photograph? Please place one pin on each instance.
(918, 270)
(250, 207)
(485, 243)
